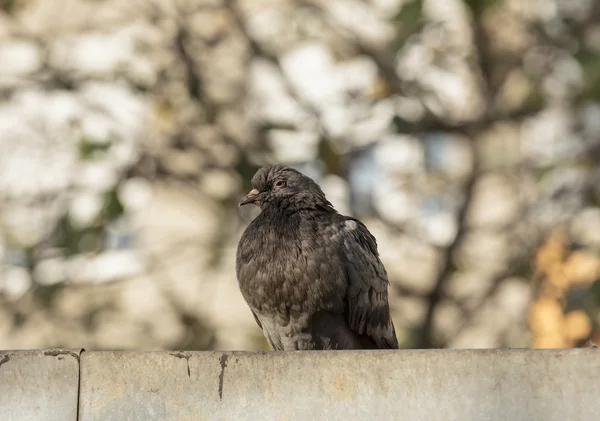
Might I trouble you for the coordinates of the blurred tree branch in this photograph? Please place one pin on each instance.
(426, 337)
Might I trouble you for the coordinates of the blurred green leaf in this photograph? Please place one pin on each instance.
(590, 64)
(194, 85)
(46, 294)
(245, 169)
(408, 19)
(595, 291)
(113, 207)
(75, 241)
(410, 12)
(535, 101)
(410, 338)
(330, 157)
(478, 6)
(89, 149)
(9, 6)
(401, 125)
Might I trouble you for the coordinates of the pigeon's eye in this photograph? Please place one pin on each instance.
(279, 184)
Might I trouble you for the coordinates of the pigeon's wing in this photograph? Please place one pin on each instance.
(256, 318)
(367, 294)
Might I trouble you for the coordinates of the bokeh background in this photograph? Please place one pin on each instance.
(465, 134)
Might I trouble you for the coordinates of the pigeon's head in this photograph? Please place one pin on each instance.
(284, 187)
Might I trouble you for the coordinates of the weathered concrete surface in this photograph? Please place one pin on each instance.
(39, 385)
(481, 385)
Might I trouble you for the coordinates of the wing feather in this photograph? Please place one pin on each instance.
(367, 293)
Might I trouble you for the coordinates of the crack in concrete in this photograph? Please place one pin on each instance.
(57, 352)
(186, 357)
(4, 359)
(223, 362)
(79, 382)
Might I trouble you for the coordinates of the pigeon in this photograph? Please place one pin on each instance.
(311, 276)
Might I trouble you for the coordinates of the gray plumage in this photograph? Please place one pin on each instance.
(311, 276)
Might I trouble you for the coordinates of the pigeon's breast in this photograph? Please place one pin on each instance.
(285, 272)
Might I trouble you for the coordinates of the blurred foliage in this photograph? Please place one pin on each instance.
(565, 309)
(479, 6)
(413, 110)
(590, 64)
(408, 20)
(89, 149)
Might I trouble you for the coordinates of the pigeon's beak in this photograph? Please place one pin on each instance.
(249, 198)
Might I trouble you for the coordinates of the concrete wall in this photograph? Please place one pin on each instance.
(39, 385)
(480, 385)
